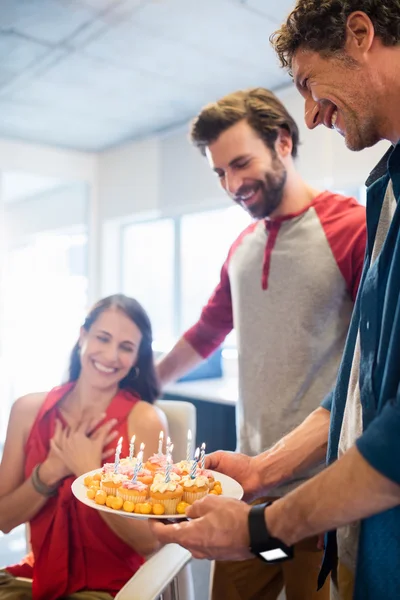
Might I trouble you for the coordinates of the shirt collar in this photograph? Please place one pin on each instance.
(380, 169)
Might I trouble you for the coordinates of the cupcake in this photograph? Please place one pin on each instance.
(145, 476)
(133, 491)
(110, 482)
(127, 466)
(185, 466)
(194, 489)
(108, 468)
(156, 462)
(169, 494)
(208, 474)
(160, 476)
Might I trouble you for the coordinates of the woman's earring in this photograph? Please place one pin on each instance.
(137, 371)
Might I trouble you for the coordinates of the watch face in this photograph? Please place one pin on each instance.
(275, 554)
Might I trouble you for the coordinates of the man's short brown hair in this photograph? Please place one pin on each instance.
(320, 25)
(258, 106)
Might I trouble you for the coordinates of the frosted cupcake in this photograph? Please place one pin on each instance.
(208, 474)
(110, 482)
(156, 462)
(135, 492)
(169, 494)
(160, 476)
(145, 476)
(194, 489)
(185, 466)
(127, 466)
(108, 468)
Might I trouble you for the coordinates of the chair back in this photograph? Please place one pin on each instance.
(181, 417)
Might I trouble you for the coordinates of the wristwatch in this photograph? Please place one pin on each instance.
(262, 544)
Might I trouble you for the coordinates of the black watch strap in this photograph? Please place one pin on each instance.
(260, 538)
(259, 534)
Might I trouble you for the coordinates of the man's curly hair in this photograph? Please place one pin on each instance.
(320, 26)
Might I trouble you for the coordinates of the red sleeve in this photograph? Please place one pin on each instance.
(344, 223)
(216, 319)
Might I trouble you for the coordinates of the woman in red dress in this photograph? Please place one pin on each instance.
(56, 436)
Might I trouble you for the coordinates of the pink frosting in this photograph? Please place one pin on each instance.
(139, 486)
(156, 459)
(204, 473)
(107, 467)
(126, 470)
(145, 473)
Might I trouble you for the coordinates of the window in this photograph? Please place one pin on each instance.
(171, 266)
(45, 302)
(148, 273)
(205, 241)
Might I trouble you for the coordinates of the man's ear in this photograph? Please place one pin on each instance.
(360, 34)
(283, 144)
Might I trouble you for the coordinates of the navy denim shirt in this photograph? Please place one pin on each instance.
(377, 316)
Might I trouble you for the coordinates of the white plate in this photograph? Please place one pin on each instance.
(230, 488)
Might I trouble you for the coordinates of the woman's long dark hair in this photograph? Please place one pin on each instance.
(145, 383)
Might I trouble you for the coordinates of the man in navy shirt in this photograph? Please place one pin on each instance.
(345, 59)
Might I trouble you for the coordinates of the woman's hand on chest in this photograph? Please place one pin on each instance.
(81, 447)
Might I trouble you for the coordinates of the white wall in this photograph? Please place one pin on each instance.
(67, 166)
(61, 208)
(129, 179)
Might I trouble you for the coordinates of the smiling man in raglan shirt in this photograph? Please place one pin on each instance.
(288, 287)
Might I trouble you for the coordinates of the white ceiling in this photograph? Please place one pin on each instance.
(90, 74)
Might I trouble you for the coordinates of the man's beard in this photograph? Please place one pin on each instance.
(271, 188)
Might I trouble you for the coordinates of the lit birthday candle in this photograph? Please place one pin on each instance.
(194, 464)
(203, 456)
(169, 463)
(132, 447)
(160, 442)
(139, 463)
(117, 455)
(189, 446)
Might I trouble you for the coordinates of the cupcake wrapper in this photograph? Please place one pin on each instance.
(191, 497)
(135, 498)
(169, 503)
(109, 490)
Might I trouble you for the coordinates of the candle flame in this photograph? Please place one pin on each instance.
(197, 454)
(203, 446)
(133, 438)
(189, 437)
(142, 446)
(161, 437)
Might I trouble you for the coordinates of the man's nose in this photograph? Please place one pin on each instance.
(312, 113)
(233, 183)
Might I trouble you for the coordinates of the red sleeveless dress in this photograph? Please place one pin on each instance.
(72, 547)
